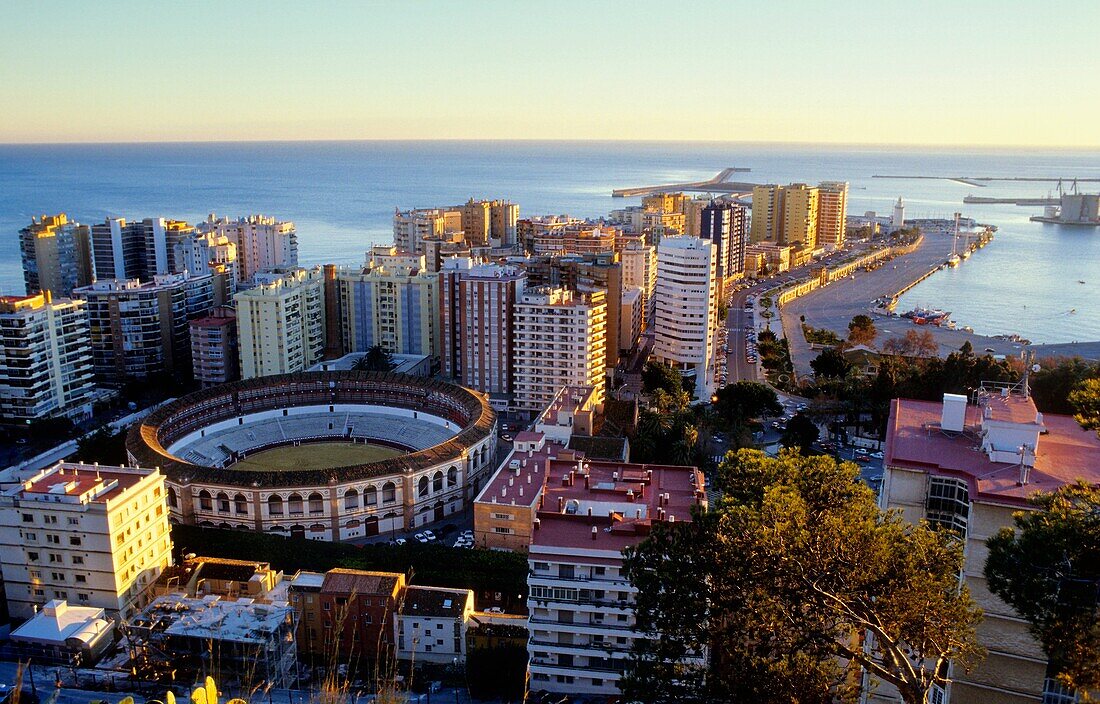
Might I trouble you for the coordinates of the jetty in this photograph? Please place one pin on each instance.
(982, 200)
(719, 184)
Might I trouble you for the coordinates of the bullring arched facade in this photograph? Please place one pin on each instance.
(338, 503)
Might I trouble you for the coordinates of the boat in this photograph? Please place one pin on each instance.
(927, 316)
(954, 260)
(1080, 281)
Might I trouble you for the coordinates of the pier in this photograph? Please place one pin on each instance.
(981, 200)
(718, 184)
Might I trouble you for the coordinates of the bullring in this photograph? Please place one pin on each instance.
(277, 453)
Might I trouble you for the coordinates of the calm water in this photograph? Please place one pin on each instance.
(342, 196)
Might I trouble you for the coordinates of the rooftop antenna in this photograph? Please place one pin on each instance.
(1029, 367)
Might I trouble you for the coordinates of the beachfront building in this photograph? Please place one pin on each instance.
(140, 329)
(93, 535)
(686, 319)
(262, 243)
(214, 353)
(430, 624)
(392, 302)
(412, 227)
(788, 215)
(477, 313)
(832, 213)
(560, 339)
(45, 362)
(968, 466)
(281, 322)
(139, 249)
(56, 254)
(639, 263)
(207, 253)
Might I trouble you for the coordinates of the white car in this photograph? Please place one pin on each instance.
(399, 541)
(420, 538)
(429, 535)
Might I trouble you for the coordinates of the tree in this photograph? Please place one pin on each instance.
(104, 447)
(781, 580)
(830, 364)
(1047, 568)
(660, 376)
(1085, 399)
(377, 359)
(801, 433)
(742, 401)
(913, 344)
(861, 330)
(1056, 379)
(966, 349)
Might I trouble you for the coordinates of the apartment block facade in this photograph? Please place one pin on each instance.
(45, 360)
(56, 255)
(726, 225)
(560, 340)
(93, 535)
(262, 243)
(141, 329)
(214, 355)
(393, 302)
(139, 249)
(832, 213)
(686, 317)
(281, 322)
(477, 311)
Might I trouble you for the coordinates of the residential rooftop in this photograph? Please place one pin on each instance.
(213, 618)
(436, 602)
(361, 582)
(72, 483)
(1005, 448)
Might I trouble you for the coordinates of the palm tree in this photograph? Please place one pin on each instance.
(376, 359)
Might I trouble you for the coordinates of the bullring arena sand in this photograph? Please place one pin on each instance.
(316, 456)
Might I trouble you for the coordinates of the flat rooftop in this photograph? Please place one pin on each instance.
(1065, 453)
(70, 482)
(240, 621)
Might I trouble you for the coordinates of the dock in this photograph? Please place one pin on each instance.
(981, 200)
(719, 184)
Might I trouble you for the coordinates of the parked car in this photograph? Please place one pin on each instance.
(420, 538)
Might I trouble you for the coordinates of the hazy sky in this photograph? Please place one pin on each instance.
(957, 72)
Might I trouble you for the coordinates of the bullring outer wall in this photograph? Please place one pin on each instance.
(339, 503)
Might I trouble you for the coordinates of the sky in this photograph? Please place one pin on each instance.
(876, 72)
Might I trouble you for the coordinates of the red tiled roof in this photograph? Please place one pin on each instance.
(1066, 452)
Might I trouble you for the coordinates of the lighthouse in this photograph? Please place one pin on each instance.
(898, 220)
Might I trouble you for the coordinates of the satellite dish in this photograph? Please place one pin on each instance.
(1035, 367)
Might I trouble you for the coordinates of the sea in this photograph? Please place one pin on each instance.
(1036, 280)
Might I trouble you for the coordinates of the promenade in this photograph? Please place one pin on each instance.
(832, 307)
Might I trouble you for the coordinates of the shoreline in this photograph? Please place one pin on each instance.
(832, 307)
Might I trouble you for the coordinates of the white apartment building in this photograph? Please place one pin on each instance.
(94, 536)
(281, 322)
(207, 253)
(430, 624)
(686, 312)
(139, 329)
(560, 340)
(580, 604)
(412, 227)
(45, 358)
(263, 243)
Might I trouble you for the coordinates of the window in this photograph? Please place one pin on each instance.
(78, 559)
(83, 598)
(30, 536)
(294, 504)
(351, 500)
(503, 530)
(502, 516)
(28, 518)
(204, 500)
(55, 557)
(50, 520)
(74, 540)
(74, 521)
(948, 504)
(389, 493)
(240, 504)
(39, 592)
(437, 481)
(422, 487)
(80, 578)
(223, 502)
(35, 574)
(32, 556)
(370, 496)
(316, 503)
(275, 505)
(51, 538)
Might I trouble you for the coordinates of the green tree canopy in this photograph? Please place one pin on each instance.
(801, 433)
(830, 364)
(1085, 399)
(661, 376)
(377, 359)
(742, 401)
(1047, 568)
(780, 581)
(861, 330)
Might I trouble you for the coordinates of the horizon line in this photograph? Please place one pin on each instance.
(563, 140)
